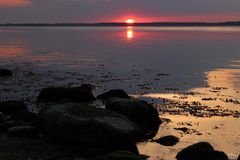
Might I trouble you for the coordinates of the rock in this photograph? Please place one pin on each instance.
(84, 124)
(16, 110)
(218, 155)
(5, 73)
(11, 156)
(99, 153)
(3, 117)
(124, 155)
(117, 93)
(144, 115)
(168, 140)
(87, 86)
(12, 123)
(23, 131)
(200, 151)
(183, 129)
(12, 107)
(59, 94)
(25, 116)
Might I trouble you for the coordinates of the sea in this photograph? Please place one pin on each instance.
(190, 74)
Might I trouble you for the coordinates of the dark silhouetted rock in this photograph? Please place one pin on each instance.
(5, 73)
(83, 124)
(63, 94)
(12, 123)
(16, 110)
(25, 116)
(23, 131)
(238, 157)
(218, 155)
(87, 86)
(117, 93)
(168, 140)
(183, 129)
(11, 156)
(3, 117)
(144, 115)
(12, 107)
(124, 155)
(201, 151)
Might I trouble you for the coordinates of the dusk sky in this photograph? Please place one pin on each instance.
(26, 11)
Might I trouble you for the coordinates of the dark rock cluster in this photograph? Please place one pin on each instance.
(69, 117)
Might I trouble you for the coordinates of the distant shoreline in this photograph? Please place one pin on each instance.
(152, 24)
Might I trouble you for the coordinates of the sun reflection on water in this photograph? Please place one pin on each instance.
(221, 84)
(130, 33)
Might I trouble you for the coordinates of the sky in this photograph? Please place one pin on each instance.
(60, 11)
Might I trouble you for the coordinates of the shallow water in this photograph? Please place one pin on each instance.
(189, 67)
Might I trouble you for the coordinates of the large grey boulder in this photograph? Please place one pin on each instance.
(141, 113)
(84, 124)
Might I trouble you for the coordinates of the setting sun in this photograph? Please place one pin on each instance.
(130, 21)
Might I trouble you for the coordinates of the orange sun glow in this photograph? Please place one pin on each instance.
(130, 21)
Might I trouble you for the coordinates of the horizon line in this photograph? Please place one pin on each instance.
(171, 23)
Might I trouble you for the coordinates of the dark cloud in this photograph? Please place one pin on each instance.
(115, 10)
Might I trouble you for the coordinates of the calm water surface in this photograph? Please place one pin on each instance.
(153, 62)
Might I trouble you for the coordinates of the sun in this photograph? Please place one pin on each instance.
(130, 21)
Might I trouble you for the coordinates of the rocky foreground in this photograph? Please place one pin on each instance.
(75, 125)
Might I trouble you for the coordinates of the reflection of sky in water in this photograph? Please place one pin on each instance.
(184, 52)
(136, 59)
(188, 54)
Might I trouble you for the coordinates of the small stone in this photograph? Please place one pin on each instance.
(5, 73)
(183, 129)
(168, 140)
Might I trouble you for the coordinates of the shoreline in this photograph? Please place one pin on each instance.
(189, 122)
